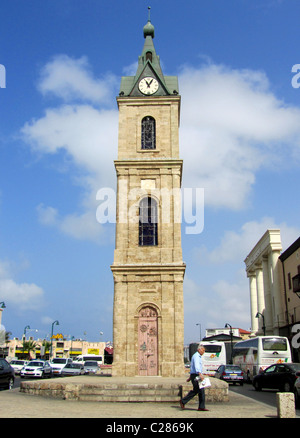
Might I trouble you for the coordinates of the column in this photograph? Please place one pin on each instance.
(276, 295)
(260, 295)
(268, 300)
(253, 301)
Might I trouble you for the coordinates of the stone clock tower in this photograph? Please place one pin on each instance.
(148, 269)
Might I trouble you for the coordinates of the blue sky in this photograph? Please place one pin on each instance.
(239, 139)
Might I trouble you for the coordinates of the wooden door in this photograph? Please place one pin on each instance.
(148, 357)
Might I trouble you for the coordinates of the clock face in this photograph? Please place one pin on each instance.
(148, 85)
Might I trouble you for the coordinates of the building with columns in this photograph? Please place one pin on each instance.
(264, 270)
(274, 280)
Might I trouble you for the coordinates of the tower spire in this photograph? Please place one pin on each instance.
(149, 28)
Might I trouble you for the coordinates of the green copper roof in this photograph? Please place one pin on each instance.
(149, 65)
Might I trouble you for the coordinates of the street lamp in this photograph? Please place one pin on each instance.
(200, 331)
(2, 306)
(231, 346)
(263, 318)
(54, 323)
(71, 349)
(26, 328)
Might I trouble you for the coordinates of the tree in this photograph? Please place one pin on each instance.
(29, 346)
(47, 345)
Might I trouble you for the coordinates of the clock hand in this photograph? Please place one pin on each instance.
(148, 83)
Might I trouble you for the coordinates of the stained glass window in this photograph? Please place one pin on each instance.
(148, 222)
(148, 133)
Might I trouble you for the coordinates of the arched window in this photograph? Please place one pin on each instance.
(148, 222)
(148, 133)
(149, 56)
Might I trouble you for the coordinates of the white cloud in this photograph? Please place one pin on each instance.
(89, 137)
(86, 134)
(24, 296)
(210, 304)
(70, 79)
(236, 245)
(231, 127)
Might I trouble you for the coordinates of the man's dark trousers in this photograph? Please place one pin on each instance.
(196, 390)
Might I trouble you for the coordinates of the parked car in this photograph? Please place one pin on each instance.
(91, 367)
(7, 374)
(58, 364)
(230, 373)
(73, 369)
(278, 376)
(297, 389)
(37, 368)
(18, 364)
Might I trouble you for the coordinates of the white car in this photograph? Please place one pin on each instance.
(36, 368)
(58, 363)
(18, 364)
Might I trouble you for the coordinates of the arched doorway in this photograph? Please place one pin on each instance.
(147, 341)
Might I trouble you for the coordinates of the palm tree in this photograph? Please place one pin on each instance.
(7, 336)
(47, 345)
(29, 346)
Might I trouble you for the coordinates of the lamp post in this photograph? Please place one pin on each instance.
(231, 346)
(2, 306)
(26, 328)
(263, 318)
(200, 330)
(54, 323)
(71, 345)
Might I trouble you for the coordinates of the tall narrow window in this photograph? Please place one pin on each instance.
(148, 133)
(148, 222)
(149, 56)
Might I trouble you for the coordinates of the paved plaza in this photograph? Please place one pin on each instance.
(15, 404)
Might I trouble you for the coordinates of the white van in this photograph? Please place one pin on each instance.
(84, 357)
(58, 363)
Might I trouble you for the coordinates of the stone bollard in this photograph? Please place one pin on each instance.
(285, 405)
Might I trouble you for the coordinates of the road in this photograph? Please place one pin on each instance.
(267, 396)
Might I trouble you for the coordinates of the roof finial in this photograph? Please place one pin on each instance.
(149, 28)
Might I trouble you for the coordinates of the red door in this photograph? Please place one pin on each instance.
(148, 365)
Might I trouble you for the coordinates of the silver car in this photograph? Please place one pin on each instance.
(73, 369)
(91, 367)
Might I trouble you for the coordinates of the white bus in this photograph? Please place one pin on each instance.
(256, 354)
(84, 357)
(214, 356)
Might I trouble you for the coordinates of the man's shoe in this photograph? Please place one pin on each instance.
(181, 404)
(202, 409)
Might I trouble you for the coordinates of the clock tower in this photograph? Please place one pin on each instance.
(148, 269)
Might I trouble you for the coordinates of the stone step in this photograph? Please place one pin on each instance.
(112, 390)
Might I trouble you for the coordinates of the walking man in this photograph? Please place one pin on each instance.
(196, 375)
